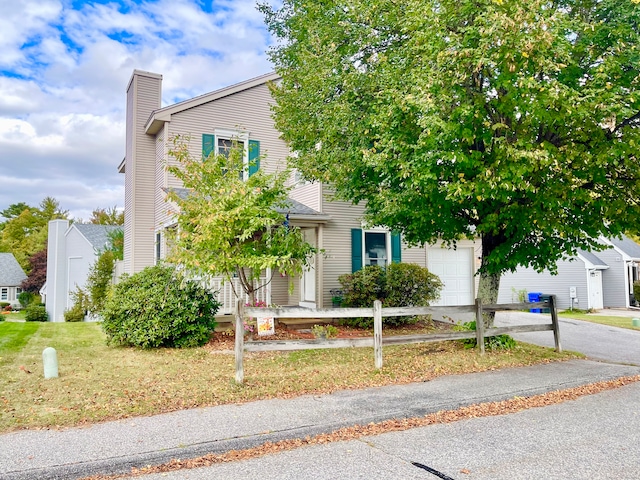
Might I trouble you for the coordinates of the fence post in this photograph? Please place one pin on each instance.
(479, 326)
(554, 322)
(377, 333)
(239, 349)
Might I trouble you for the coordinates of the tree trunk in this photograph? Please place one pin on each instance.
(488, 292)
(489, 283)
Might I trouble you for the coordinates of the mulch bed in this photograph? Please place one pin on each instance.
(225, 341)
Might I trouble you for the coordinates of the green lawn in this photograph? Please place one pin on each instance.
(614, 321)
(100, 383)
(13, 337)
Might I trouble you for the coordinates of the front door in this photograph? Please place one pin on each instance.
(308, 279)
(595, 290)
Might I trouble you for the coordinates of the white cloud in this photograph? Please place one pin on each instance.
(63, 75)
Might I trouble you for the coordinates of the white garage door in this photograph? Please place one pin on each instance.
(455, 269)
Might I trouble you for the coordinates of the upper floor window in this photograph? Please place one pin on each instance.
(222, 141)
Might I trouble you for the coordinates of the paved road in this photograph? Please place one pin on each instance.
(595, 437)
(598, 342)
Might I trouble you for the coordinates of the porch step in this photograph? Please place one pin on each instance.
(224, 323)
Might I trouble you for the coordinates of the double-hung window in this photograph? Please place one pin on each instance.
(222, 141)
(374, 247)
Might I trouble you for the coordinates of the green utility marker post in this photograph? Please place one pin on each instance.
(50, 361)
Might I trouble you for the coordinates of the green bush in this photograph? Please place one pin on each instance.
(4, 304)
(636, 290)
(410, 285)
(399, 285)
(497, 342)
(36, 313)
(26, 298)
(158, 307)
(99, 282)
(81, 302)
(74, 314)
(361, 288)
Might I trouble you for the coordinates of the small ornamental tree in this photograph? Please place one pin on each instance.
(228, 224)
(38, 274)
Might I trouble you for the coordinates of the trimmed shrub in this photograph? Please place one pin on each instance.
(4, 304)
(399, 285)
(410, 285)
(26, 298)
(158, 307)
(636, 290)
(361, 288)
(36, 313)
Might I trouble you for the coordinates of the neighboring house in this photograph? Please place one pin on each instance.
(11, 276)
(72, 250)
(590, 280)
(242, 112)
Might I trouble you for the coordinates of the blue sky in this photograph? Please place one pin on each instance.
(64, 67)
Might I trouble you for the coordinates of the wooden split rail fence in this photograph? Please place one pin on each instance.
(377, 341)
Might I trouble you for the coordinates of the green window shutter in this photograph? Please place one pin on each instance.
(208, 144)
(356, 249)
(254, 156)
(396, 248)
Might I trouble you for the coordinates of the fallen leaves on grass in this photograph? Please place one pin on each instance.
(355, 432)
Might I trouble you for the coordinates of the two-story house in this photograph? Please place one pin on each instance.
(242, 112)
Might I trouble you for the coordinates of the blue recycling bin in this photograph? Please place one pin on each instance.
(534, 297)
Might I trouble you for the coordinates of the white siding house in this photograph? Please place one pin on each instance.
(590, 280)
(71, 251)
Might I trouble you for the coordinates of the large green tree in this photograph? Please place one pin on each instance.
(25, 232)
(107, 216)
(228, 225)
(513, 121)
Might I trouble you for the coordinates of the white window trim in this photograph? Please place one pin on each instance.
(239, 136)
(157, 247)
(387, 241)
(163, 240)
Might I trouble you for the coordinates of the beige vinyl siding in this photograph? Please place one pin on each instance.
(128, 186)
(143, 97)
(165, 211)
(337, 242)
(309, 195)
(247, 110)
(417, 255)
(279, 289)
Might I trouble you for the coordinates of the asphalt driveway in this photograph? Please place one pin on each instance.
(598, 342)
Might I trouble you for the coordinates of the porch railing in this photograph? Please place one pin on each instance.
(224, 293)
